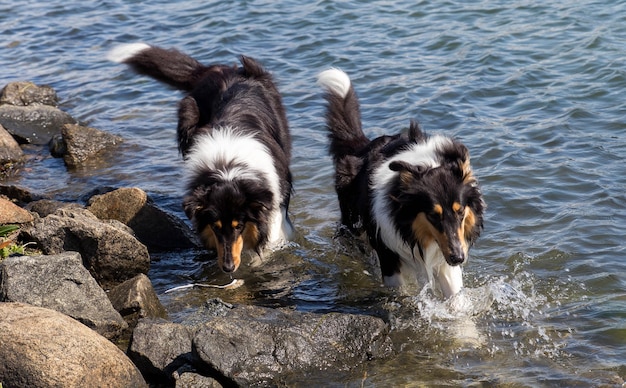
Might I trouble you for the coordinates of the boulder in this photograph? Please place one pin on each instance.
(252, 345)
(20, 194)
(135, 299)
(44, 348)
(157, 229)
(33, 124)
(10, 213)
(61, 283)
(159, 348)
(10, 151)
(82, 143)
(24, 93)
(109, 251)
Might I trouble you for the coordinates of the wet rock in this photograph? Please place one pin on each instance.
(159, 348)
(60, 282)
(10, 213)
(157, 229)
(29, 112)
(33, 124)
(82, 143)
(254, 344)
(110, 253)
(10, 151)
(23, 93)
(44, 348)
(135, 299)
(20, 194)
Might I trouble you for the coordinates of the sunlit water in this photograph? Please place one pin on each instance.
(533, 88)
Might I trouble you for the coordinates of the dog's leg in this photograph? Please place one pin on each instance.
(449, 278)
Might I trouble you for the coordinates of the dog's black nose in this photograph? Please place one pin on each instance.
(228, 267)
(456, 259)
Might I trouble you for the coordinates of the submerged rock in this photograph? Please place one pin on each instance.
(60, 282)
(29, 112)
(252, 344)
(81, 143)
(44, 348)
(248, 345)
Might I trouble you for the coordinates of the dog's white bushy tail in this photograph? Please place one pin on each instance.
(123, 52)
(335, 81)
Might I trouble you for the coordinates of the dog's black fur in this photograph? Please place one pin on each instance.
(414, 196)
(229, 116)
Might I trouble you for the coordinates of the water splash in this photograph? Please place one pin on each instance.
(504, 315)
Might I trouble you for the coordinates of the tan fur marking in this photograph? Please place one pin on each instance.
(456, 207)
(234, 224)
(423, 230)
(218, 224)
(250, 235)
(469, 222)
(438, 209)
(208, 237)
(236, 251)
(465, 230)
(406, 178)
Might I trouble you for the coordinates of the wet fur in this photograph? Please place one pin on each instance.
(415, 196)
(233, 134)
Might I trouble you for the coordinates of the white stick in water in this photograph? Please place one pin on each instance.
(232, 285)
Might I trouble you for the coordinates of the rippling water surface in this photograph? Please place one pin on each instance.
(535, 89)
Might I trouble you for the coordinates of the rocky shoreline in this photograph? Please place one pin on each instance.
(82, 288)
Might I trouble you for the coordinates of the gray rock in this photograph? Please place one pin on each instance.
(34, 124)
(135, 299)
(10, 151)
(109, 252)
(82, 143)
(44, 348)
(159, 348)
(45, 207)
(190, 379)
(20, 194)
(23, 93)
(60, 282)
(157, 229)
(251, 345)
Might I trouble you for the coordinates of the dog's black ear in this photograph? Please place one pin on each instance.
(191, 205)
(415, 132)
(456, 158)
(252, 68)
(195, 201)
(188, 118)
(402, 166)
(408, 172)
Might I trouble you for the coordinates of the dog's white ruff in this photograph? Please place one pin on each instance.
(215, 150)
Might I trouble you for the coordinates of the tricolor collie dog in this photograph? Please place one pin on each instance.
(413, 195)
(233, 135)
